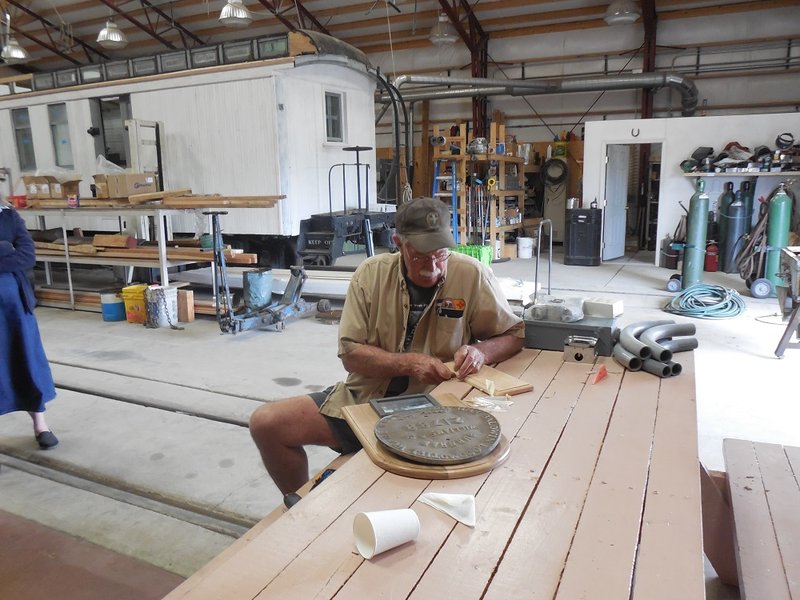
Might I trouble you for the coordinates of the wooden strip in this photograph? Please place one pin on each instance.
(535, 556)
(185, 306)
(718, 529)
(102, 240)
(603, 552)
(783, 497)
(456, 569)
(59, 248)
(503, 383)
(759, 561)
(246, 571)
(670, 561)
(149, 197)
(242, 259)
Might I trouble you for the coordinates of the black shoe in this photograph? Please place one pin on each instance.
(46, 440)
(291, 499)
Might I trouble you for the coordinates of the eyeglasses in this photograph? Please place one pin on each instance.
(437, 257)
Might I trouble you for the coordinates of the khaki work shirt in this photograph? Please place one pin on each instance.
(468, 306)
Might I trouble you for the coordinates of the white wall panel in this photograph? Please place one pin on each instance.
(219, 138)
(308, 156)
(680, 137)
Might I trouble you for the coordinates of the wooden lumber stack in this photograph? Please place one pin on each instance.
(123, 246)
(182, 198)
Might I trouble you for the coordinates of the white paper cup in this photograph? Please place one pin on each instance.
(382, 530)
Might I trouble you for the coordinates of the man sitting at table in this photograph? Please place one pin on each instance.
(404, 316)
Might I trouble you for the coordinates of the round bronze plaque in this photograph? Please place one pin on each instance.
(448, 435)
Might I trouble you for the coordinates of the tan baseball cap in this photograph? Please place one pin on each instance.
(425, 223)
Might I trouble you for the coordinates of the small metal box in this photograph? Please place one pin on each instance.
(579, 348)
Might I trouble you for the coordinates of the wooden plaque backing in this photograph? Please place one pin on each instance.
(362, 419)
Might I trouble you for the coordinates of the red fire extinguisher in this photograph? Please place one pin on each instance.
(712, 258)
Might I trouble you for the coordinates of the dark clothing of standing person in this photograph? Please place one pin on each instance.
(25, 379)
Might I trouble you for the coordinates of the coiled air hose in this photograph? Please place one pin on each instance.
(704, 301)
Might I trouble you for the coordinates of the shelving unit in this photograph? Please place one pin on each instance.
(506, 202)
(784, 174)
(506, 198)
(160, 218)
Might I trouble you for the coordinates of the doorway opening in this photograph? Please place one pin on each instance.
(108, 117)
(630, 223)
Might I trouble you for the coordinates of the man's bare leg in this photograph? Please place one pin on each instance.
(280, 430)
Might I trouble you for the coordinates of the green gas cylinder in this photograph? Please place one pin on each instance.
(725, 201)
(779, 222)
(695, 249)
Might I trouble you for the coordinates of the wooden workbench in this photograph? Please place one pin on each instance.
(599, 499)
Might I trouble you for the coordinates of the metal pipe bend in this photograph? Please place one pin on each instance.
(657, 367)
(629, 337)
(651, 335)
(627, 359)
(683, 344)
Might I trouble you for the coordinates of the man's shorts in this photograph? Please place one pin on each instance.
(346, 440)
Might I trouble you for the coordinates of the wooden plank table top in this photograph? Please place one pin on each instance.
(765, 494)
(599, 499)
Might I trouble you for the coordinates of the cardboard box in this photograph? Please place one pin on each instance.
(71, 187)
(510, 250)
(31, 183)
(36, 186)
(128, 184)
(49, 187)
(100, 186)
(602, 307)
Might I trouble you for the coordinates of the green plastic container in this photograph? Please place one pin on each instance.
(480, 253)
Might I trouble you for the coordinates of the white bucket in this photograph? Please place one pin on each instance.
(156, 311)
(524, 247)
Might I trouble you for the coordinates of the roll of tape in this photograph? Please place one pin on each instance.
(438, 140)
(784, 141)
(491, 181)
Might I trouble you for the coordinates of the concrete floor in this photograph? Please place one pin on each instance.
(155, 459)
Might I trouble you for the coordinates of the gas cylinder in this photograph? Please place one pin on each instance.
(712, 258)
(694, 250)
(725, 200)
(735, 240)
(746, 189)
(780, 214)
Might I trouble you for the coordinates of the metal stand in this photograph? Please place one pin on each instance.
(790, 272)
(275, 314)
(549, 223)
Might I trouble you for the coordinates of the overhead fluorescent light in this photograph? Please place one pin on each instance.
(235, 14)
(621, 12)
(443, 31)
(10, 50)
(112, 37)
(12, 53)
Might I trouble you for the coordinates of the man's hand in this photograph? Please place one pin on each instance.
(428, 370)
(468, 360)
